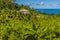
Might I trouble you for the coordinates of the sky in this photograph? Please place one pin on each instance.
(41, 4)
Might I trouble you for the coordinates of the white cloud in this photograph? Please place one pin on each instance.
(28, 4)
(38, 4)
(42, 3)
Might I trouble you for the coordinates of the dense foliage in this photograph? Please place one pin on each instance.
(31, 26)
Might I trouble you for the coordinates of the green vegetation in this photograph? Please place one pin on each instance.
(32, 26)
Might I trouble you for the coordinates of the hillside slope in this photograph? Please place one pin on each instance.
(33, 26)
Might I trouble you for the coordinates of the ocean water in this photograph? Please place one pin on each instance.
(49, 11)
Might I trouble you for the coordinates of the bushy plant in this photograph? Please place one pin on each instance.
(33, 26)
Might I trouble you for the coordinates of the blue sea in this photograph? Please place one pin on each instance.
(49, 11)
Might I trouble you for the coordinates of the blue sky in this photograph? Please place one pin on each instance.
(41, 4)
